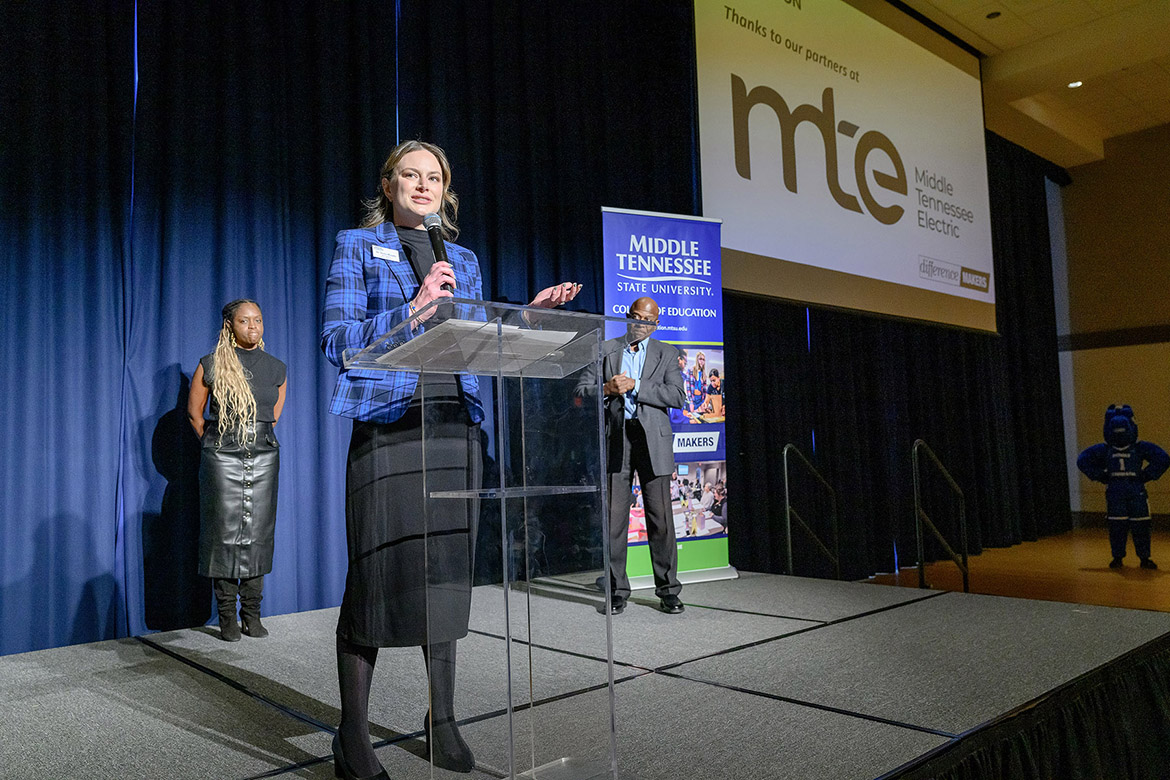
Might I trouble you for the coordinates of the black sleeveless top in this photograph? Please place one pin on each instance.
(265, 375)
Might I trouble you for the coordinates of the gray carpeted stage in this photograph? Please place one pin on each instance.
(761, 677)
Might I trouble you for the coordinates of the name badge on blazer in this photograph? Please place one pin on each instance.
(384, 253)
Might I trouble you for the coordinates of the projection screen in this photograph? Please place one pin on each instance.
(844, 152)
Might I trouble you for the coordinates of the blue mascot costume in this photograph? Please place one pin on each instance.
(1125, 465)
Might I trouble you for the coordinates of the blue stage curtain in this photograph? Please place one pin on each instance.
(132, 213)
(65, 135)
(260, 127)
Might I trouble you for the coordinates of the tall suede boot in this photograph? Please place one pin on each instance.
(251, 593)
(226, 592)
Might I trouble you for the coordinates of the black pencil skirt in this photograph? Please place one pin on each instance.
(237, 503)
(410, 565)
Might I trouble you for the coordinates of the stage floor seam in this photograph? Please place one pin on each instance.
(559, 650)
(220, 677)
(814, 705)
(789, 634)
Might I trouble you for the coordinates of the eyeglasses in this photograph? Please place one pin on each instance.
(647, 320)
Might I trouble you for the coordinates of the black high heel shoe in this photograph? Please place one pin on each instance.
(341, 768)
(460, 760)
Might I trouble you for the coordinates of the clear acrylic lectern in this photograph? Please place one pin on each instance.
(534, 677)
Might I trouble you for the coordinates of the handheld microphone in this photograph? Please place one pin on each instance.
(434, 225)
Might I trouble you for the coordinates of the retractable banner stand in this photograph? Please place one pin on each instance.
(675, 260)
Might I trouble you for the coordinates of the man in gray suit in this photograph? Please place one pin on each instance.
(641, 384)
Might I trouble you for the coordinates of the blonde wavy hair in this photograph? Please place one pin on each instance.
(700, 371)
(379, 209)
(229, 385)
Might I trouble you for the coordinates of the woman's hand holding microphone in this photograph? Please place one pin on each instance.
(438, 284)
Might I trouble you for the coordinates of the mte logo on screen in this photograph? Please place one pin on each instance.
(824, 119)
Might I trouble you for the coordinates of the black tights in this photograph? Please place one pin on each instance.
(355, 673)
(448, 750)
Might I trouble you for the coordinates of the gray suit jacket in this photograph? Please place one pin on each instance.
(661, 389)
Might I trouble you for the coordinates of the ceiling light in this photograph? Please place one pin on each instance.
(1074, 84)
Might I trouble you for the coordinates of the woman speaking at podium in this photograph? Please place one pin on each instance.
(409, 577)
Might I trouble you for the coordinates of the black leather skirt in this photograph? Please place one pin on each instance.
(237, 502)
(410, 563)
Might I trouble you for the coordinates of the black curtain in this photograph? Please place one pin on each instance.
(854, 392)
(550, 111)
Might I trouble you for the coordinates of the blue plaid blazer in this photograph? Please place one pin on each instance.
(366, 295)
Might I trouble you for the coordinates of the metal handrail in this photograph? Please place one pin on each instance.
(790, 513)
(921, 518)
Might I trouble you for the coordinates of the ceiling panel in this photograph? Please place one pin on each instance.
(1006, 31)
(1058, 17)
(1027, 6)
(1120, 49)
(1112, 6)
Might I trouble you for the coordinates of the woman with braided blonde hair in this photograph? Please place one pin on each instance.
(239, 464)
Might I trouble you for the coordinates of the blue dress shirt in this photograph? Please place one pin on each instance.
(633, 360)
